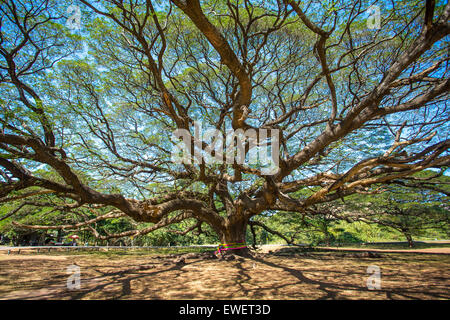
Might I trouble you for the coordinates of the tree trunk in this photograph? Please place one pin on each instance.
(410, 240)
(233, 236)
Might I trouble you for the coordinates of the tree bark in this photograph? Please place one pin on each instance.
(233, 234)
(410, 239)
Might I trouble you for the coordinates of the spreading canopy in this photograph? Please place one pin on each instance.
(92, 92)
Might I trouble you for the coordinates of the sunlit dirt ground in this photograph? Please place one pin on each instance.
(330, 275)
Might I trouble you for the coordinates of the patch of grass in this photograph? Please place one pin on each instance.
(400, 245)
(119, 252)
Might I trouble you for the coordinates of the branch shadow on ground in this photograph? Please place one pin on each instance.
(307, 277)
(331, 290)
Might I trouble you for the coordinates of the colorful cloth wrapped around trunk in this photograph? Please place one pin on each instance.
(230, 246)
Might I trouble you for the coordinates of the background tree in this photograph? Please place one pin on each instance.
(409, 208)
(356, 107)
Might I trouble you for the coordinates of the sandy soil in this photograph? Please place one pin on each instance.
(30, 257)
(332, 275)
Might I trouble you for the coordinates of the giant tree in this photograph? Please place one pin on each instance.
(357, 99)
